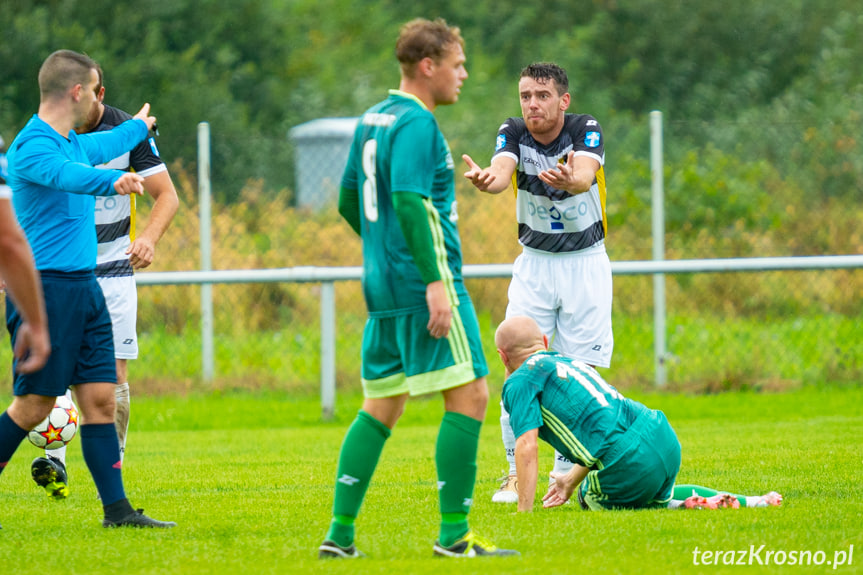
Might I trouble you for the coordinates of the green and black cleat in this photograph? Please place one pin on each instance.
(472, 545)
(50, 473)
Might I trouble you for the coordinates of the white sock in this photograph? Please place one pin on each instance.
(60, 452)
(121, 415)
(755, 501)
(508, 438)
(561, 463)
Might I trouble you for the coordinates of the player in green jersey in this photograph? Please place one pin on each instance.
(422, 335)
(627, 455)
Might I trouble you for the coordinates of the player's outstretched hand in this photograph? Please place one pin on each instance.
(129, 184)
(561, 176)
(481, 179)
(144, 114)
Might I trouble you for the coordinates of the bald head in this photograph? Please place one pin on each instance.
(516, 339)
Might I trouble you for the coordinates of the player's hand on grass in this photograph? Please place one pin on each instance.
(129, 184)
(481, 179)
(144, 114)
(560, 491)
(440, 311)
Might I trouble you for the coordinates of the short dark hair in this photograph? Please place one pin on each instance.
(545, 71)
(101, 81)
(421, 38)
(64, 69)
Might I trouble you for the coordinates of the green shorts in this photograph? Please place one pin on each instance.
(640, 470)
(399, 355)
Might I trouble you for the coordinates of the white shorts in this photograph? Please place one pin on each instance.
(569, 296)
(121, 296)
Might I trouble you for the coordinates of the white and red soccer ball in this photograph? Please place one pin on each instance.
(58, 428)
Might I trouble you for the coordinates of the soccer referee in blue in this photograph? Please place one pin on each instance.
(53, 184)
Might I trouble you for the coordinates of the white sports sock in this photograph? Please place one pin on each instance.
(508, 438)
(60, 452)
(121, 415)
(755, 501)
(561, 463)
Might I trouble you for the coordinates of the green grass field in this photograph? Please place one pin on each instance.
(249, 477)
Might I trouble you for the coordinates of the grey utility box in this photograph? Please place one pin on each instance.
(321, 152)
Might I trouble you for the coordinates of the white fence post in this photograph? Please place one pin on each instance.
(328, 349)
(658, 225)
(207, 351)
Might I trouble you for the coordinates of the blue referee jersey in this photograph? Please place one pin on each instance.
(53, 185)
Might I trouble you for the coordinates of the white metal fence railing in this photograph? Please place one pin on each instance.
(328, 276)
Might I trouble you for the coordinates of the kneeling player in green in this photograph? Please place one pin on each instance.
(627, 456)
(422, 335)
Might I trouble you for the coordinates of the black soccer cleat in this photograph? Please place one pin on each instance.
(332, 550)
(138, 519)
(472, 545)
(50, 473)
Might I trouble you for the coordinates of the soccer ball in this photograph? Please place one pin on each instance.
(59, 427)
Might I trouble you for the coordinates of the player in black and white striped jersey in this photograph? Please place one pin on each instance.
(121, 250)
(553, 160)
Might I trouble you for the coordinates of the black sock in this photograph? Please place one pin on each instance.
(118, 510)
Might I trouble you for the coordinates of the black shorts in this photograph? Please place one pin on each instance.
(82, 341)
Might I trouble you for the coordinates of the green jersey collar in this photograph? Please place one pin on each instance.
(409, 96)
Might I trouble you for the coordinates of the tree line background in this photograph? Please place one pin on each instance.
(740, 83)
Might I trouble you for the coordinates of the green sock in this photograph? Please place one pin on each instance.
(455, 456)
(341, 530)
(361, 450)
(681, 492)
